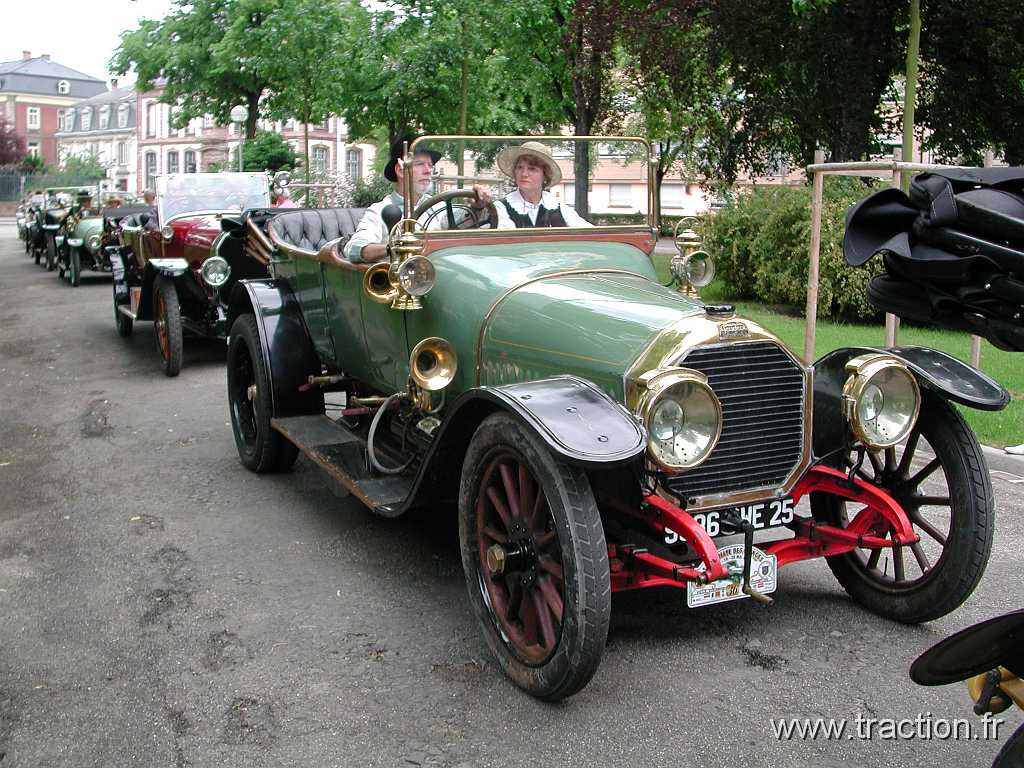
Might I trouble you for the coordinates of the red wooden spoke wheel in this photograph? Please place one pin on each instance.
(520, 559)
(167, 319)
(535, 558)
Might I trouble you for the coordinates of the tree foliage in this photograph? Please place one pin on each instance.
(12, 146)
(211, 53)
(267, 151)
(972, 79)
(87, 165)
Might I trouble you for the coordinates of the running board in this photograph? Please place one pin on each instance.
(342, 455)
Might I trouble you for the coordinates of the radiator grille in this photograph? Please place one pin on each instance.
(762, 394)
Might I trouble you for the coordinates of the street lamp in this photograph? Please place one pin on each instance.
(239, 114)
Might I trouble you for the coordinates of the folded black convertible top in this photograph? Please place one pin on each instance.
(953, 251)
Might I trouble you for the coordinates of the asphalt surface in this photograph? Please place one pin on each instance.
(161, 606)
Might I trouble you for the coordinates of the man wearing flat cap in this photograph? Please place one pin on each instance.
(531, 204)
(368, 241)
(84, 201)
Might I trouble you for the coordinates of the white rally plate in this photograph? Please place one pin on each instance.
(763, 573)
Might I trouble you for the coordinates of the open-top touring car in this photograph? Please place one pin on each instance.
(176, 265)
(597, 430)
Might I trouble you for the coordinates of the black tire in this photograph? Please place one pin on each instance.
(167, 319)
(51, 253)
(948, 562)
(1012, 753)
(124, 324)
(75, 267)
(261, 448)
(561, 541)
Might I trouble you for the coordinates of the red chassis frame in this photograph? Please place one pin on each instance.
(636, 568)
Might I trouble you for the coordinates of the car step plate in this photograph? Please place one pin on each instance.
(763, 578)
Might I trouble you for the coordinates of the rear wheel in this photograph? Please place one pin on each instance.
(535, 559)
(51, 253)
(940, 478)
(261, 448)
(167, 319)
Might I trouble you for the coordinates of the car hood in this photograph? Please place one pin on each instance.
(518, 314)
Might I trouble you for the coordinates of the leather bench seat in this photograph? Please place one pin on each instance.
(310, 229)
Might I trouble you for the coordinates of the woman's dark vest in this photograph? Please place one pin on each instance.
(546, 217)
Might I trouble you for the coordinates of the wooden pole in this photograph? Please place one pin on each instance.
(892, 323)
(812, 269)
(976, 340)
(910, 91)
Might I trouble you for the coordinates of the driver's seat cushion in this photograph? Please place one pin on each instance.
(308, 229)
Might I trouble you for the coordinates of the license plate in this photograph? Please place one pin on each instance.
(763, 573)
(762, 515)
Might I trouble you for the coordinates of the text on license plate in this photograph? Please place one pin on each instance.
(763, 514)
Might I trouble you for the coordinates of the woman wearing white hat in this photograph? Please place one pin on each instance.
(534, 171)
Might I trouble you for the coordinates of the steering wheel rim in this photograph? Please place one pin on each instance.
(454, 194)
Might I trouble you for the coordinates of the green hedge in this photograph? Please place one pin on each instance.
(760, 243)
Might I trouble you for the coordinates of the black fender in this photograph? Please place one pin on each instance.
(575, 419)
(953, 379)
(287, 349)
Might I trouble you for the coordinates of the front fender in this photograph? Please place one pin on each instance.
(284, 341)
(169, 267)
(575, 419)
(953, 379)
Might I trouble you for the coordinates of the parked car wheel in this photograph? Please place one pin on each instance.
(1012, 753)
(75, 267)
(167, 319)
(123, 323)
(939, 477)
(260, 447)
(535, 559)
(51, 253)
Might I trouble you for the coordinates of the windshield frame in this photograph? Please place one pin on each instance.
(162, 183)
(653, 208)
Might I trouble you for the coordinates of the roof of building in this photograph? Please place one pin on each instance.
(107, 97)
(121, 98)
(44, 67)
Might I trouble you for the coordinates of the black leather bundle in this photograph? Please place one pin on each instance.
(953, 251)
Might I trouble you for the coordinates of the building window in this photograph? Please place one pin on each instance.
(672, 195)
(620, 195)
(33, 118)
(87, 119)
(207, 121)
(190, 128)
(325, 125)
(104, 118)
(172, 161)
(151, 170)
(319, 158)
(151, 120)
(33, 149)
(63, 87)
(61, 114)
(69, 120)
(122, 116)
(190, 161)
(122, 153)
(354, 164)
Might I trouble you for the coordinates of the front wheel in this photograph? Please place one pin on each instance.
(940, 478)
(167, 319)
(261, 448)
(1012, 753)
(75, 267)
(535, 559)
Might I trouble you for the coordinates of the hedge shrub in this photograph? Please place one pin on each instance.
(760, 242)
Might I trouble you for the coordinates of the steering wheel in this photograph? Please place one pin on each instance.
(476, 217)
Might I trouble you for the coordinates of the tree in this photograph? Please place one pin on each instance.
(84, 166)
(268, 151)
(211, 53)
(12, 146)
(310, 43)
(815, 77)
(972, 95)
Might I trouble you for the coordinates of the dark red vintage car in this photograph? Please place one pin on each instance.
(177, 263)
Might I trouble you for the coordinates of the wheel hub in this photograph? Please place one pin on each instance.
(250, 392)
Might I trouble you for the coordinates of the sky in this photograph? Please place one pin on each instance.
(81, 34)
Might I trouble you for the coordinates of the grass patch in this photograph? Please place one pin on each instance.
(1000, 428)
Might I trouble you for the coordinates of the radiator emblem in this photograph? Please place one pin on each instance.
(732, 330)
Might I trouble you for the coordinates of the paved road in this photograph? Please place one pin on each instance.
(163, 607)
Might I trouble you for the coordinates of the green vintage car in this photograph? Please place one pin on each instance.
(84, 235)
(596, 430)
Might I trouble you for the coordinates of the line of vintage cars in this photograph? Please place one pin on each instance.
(595, 430)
